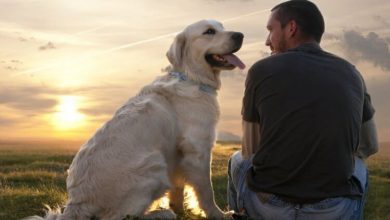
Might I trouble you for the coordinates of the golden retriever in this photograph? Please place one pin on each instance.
(160, 139)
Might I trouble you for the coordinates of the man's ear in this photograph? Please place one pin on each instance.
(292, 28)
(175, 53)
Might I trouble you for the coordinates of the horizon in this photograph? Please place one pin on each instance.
(66, 66)
(74, 145)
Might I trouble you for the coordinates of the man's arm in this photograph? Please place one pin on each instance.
(250, 138)
(368, 140)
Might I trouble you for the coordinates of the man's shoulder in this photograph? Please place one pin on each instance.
(266, 67)
(273, 62)
(289, 58)
(265, 63)
(337, 58)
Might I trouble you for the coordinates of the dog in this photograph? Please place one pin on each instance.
(159, 140)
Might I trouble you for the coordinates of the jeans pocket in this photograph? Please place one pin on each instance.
(327, 203)
(276, 201)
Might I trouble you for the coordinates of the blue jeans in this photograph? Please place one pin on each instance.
(240, 198)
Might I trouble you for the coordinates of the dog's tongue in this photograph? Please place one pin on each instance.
(234, 60)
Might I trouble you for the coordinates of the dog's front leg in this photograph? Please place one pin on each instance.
(196, 169)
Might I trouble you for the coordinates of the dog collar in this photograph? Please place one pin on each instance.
(203, 87)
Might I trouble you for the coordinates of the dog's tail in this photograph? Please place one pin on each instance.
(51, 214)
(55, 214)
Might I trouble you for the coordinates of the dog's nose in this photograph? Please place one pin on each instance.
(237, 36)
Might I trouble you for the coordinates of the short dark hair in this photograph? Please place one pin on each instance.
(305, 13)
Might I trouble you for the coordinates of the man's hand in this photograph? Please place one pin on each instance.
(250, 138)
(368, 140)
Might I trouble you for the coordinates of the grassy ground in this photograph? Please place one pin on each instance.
(378, 201)
(33, 176)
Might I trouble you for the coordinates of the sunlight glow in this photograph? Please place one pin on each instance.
(190, 202)
(68, 116)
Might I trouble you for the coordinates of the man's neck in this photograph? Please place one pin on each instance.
(297, 42)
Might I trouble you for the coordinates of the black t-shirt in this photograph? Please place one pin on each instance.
(310, 105)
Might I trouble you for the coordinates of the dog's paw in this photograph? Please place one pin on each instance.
(228, 215)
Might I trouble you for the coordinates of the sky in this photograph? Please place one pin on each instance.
(67, 65)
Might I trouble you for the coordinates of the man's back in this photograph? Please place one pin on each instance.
(309, 105)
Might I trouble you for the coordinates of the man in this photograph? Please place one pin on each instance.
(307, 125)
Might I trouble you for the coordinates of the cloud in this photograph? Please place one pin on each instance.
(383, 21)
(12, 68)
(26, 39)
(26, 101)
(12, 64)
(330, 36)
(47, 46)
(372, 48)
(27, 98)
(104, 100)
(16, 61)
(7, 121)
(22, 39)
(379, 90)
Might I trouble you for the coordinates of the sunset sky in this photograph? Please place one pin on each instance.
(67, 65)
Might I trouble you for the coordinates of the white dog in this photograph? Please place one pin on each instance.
(160, 139)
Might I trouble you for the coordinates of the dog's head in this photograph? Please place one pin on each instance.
(203, 49)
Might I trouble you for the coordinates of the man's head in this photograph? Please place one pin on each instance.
(292, 23)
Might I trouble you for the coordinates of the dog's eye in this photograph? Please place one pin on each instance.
(209, 31)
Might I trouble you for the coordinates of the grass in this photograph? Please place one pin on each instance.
(33, 176)
(378, 201)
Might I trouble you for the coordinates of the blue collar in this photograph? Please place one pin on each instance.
(203, 87)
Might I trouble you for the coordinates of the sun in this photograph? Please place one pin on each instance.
(67, 116)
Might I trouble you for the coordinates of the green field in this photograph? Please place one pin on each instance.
(33, 175)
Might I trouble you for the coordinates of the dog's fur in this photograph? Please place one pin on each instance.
(158, 141)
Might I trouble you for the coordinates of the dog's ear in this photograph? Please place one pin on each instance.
(176, 51)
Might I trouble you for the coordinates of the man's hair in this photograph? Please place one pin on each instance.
(305, 13)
